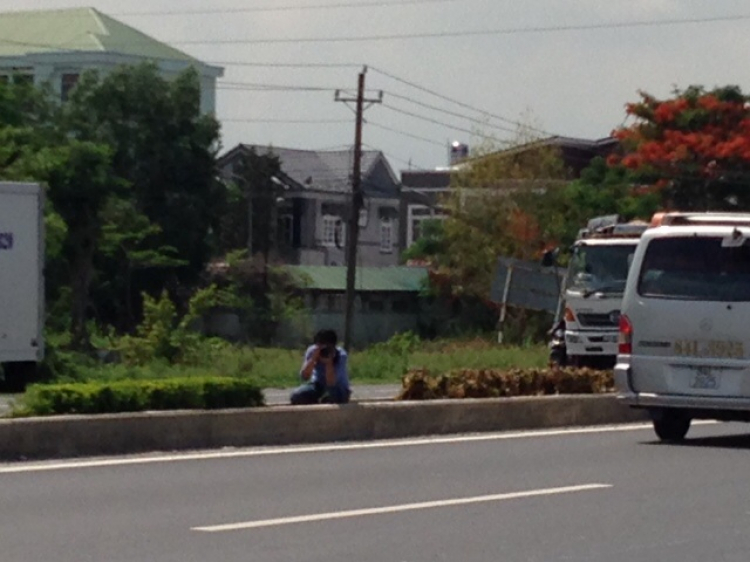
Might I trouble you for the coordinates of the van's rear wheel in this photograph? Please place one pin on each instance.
(671, 425)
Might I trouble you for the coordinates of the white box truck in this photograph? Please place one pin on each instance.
(21, 282)
(586, 336)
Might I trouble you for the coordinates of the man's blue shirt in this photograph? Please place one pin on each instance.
(319, 371)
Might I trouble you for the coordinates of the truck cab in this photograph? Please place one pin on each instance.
(594, 285)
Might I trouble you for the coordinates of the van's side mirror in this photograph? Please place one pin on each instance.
(549, 259)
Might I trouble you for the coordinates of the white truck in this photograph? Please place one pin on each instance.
(586, 335)
(21, 282)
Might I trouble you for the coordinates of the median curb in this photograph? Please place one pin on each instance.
(118, 434)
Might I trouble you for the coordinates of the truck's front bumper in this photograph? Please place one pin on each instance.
(590, 343)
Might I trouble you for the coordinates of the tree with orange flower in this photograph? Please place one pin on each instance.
(694, 149)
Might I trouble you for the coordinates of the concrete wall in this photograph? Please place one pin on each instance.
(116, 434)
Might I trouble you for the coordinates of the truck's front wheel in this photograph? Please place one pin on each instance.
(671, 425)
(557, 357)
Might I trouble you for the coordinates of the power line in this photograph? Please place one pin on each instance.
(271, 87)
(405, 134)
(396, 158)
(435, 121)
(285, 121)
(285, 8)
(246, 86)
(471, 33)
(453, 113)
(458, 102)
(286, 64)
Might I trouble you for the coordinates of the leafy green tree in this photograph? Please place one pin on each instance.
(430, 244)
(165, 150)
(601, 190)
(81, 181)
(252, 202)
(129, 247)
(489, 214)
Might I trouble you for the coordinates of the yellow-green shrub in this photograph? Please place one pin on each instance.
(205, 393)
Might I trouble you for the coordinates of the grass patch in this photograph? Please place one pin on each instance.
(384, 363)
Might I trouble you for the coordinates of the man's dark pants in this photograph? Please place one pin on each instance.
(317, 393)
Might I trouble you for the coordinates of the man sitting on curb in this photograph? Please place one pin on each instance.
(325, 371)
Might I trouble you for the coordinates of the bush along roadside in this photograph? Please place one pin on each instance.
(421, 384)
(206, 393)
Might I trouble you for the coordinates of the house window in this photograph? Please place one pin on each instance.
(285, 229)
(68, 82)
(19, 75)
(417, 214)
(335, 303)
(333, 231)
(386, 235)
(363, 215)
(401, 306)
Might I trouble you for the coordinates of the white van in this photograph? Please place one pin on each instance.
(684, 343)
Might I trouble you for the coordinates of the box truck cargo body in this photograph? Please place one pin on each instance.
(21, 281)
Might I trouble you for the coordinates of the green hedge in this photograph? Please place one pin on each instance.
(208, 393)
(421, 384)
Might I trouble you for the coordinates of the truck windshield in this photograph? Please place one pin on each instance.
(600, 268)
(696, 268)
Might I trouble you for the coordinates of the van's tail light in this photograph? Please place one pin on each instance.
(625, 339)
(569, 316)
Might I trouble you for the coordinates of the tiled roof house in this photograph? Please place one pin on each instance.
(56, 46)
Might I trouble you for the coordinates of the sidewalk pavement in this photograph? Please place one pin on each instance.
(360, 393)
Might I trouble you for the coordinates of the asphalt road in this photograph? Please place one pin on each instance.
(590, 495)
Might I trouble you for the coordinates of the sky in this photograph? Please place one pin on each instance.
(449, 70)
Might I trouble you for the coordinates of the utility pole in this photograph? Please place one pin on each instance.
(352, 238)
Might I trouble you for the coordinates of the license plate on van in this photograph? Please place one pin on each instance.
(714, 349)
(706, 378)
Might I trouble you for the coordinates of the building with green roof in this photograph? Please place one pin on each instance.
(56, 46)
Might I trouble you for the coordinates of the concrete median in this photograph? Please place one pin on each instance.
(117, 434)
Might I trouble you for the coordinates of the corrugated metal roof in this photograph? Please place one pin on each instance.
(78, 29)
(369, 279)
(323, 170)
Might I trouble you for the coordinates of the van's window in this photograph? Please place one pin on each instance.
(602, 267)
(695, 268)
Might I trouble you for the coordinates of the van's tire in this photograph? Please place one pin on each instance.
(671, 426)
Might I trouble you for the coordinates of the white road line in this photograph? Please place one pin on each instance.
(397, 508)
(324, 448)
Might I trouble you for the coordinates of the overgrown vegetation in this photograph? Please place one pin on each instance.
(424, 384)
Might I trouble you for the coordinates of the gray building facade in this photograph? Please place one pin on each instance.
(315, 207)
